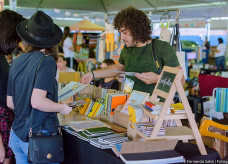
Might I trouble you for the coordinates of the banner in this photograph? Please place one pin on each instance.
(1, 5)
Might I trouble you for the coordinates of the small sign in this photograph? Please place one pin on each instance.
(166, 81)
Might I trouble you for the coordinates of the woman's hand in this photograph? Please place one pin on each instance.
(65, 109)
(147, 77)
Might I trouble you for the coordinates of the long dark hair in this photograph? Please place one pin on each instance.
(53, 51)
(8, 35)
(66, 33)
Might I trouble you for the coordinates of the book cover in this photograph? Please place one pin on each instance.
(136, 97)
(95, 107)
(161, 157)
(116, 100)
(150, 152)
(83, 109)
(98, 130)
(89, 107)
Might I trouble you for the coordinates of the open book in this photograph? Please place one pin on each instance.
(69, 90)
(150, 152)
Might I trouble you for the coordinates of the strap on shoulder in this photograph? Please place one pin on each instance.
(155, 56)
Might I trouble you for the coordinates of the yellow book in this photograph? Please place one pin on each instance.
(95, 107)
(177, 106)
(98, 111)
(89, 108)
(84, 108)
(132, 114)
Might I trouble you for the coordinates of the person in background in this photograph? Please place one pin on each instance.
(109, 82)
(61, 66)
(8, 42)
(32, 88)
(136, 56)
(220, 55)
(68, 48)
(207, 47)
(91, 61)
(81, 56)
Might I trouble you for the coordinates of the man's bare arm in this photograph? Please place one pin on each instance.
(102, 73)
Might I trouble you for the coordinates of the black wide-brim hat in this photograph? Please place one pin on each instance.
(40, 31)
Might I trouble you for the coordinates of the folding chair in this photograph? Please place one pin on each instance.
(216, 131)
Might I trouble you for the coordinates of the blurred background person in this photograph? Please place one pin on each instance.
(81, 56)
(68, 48)
(62, 67)
(109, 82)
(91, 61)
(220, 55)
(8, 42)
(207, 48)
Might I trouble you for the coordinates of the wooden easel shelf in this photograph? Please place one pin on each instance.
(168, 83)
(167, 116)
(180, 133)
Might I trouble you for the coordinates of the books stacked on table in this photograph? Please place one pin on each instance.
(147, 128)
(88, 134)
(103, 137)
(96, 132)
(108, 141)
(68, 129)
(148, 105)
(79, 126)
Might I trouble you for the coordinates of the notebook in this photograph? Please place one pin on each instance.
(150, 152)
(160, 157)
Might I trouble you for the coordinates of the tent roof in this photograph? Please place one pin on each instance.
(108, 6)
(87, 26)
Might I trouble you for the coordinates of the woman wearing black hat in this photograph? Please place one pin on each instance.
(8, 42)
(32, 88)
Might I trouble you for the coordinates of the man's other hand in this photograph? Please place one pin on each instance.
(147, 77)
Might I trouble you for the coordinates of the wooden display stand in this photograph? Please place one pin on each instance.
(168, 83)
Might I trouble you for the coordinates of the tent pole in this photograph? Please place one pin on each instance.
(13, 5)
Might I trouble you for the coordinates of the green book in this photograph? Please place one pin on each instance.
(99, 130)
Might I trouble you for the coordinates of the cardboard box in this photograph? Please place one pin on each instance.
(120, 118)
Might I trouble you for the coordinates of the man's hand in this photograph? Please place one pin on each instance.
(87, 78)
(147, 77)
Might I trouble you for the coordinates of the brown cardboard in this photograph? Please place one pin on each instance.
(105, 116)
(120, 118)
(149, 146)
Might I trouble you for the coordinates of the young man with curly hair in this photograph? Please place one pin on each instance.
(136, 56)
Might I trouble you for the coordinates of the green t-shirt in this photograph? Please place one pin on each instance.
(140, 59)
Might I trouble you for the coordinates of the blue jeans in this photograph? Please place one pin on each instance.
(220, 61)
(19, 148)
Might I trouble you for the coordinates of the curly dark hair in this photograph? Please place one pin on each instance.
(136, 21)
